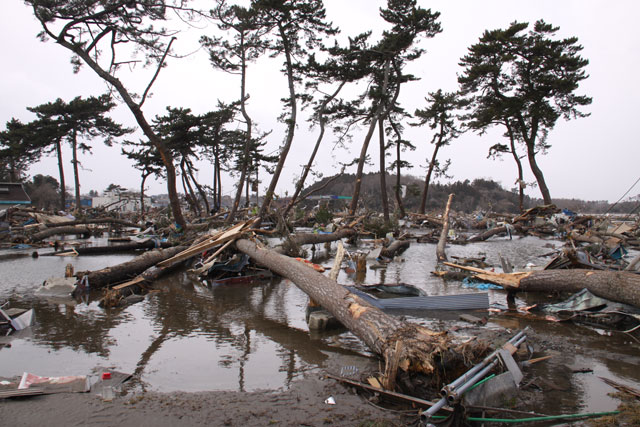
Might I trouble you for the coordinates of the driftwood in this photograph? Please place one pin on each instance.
(48, 232)
(619, 286)
(440, 249)
(402, 344)
(127, 270)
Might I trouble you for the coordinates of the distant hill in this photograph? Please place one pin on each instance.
(470, 196)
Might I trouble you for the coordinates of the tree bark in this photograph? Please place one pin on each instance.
(300, 239)
(400, 343)
(484, 236)
(619, 286)
(442, 243)
(383, 178)
(76, 177)
(93, 221)
(63, 189)
(247, 143)
(397, 247)
(427, 179)
(519, 165)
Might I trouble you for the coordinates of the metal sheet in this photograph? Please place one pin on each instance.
(473, 301)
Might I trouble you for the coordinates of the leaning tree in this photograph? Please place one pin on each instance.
(528, 80)
(439, 115)
(297, 27)
(111, 35)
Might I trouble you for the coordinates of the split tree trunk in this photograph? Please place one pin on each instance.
(442, 243)
(400, 343)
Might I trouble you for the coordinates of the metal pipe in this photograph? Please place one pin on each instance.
(458, 391)
(465, 377)
(468, 379)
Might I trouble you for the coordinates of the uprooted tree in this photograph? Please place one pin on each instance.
(403, 345)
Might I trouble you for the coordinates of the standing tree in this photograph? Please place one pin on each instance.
(298, 26)
(247, 44)
(43, 191)
(18, 151)
(528, 80)
(344, 65)
(439, 115)
(99, 33)
(397, 46)
(77, 122)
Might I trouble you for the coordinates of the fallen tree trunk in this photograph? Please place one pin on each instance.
(442, 243)
(48, 232)
(395, 248)
(291, 246)
(117, 221)
(619, 286)
(402, 344)
(127, 270)
(114, 249)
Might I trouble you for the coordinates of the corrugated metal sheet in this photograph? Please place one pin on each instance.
(472, 301)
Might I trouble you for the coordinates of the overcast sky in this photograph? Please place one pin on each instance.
(594, 158)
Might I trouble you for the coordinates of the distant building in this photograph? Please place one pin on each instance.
(12, 193)
(125, 201)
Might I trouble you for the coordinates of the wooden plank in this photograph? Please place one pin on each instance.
(135, 281)
(230, 234)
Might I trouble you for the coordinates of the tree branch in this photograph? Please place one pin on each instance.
(164, 56)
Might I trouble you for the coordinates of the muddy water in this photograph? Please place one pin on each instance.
(190, 337)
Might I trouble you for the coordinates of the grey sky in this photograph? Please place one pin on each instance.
(593, 158)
